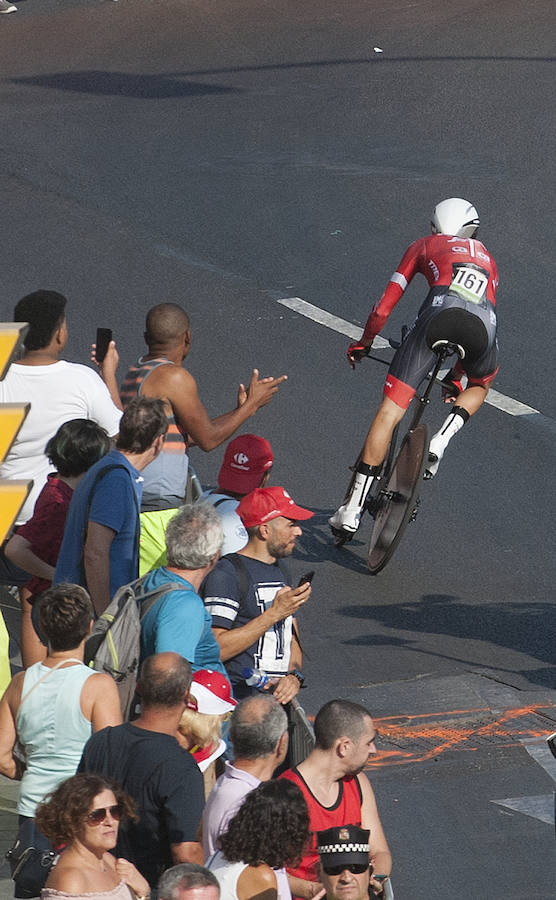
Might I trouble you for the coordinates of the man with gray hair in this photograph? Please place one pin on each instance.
(188, 881)
(178, 620)
(259, 734)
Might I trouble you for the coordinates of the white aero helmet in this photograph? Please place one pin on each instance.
(456, 217)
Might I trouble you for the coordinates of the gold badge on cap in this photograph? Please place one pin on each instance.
(343, 834)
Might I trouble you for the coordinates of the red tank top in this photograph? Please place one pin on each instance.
(345, 811)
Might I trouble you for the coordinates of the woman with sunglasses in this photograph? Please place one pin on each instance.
(270, 830)
(82, 816)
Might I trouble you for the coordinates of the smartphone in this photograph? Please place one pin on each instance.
(104, 336)
(306, 579)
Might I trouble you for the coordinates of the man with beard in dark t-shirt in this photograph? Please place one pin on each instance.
(161, 776)
(247, 594)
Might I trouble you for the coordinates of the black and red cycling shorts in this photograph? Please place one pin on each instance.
(414, 359)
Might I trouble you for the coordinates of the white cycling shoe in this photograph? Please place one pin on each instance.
(436, 452)
(348, 516)
(346, 519)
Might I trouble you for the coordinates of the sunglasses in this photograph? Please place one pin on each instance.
(354, 868)
(97, 816)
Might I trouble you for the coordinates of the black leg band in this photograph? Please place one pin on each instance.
(364, 469)
(460, 411)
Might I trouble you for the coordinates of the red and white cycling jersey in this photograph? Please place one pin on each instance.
(462, 265)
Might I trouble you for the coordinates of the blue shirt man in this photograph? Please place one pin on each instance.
(110, 497)
(100, 549)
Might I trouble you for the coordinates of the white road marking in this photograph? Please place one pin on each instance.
(539, 807)
(328, 320)
(509, 405)
(540, 752)
(495, 398)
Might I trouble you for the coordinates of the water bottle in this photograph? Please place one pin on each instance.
(254, 677)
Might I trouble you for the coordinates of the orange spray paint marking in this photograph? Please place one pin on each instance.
(425, 736)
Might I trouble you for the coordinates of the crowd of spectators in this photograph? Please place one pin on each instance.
(220, 642)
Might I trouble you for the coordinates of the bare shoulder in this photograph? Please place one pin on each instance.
(102, 684)
(17, 681)
(12, 695)
(256, 880)
(99, 687)
(366, 788)
(266, 877)
(70, 878)
(165, 380)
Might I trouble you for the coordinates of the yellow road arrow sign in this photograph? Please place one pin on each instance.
(13, 495)
(11, 339)
(12, 416)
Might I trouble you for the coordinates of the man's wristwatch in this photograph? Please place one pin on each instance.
(297, 674)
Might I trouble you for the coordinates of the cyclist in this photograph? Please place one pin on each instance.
(459, 307)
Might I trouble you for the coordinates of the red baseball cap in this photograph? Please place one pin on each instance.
(246, 460)
(212, 692)
(264, 504)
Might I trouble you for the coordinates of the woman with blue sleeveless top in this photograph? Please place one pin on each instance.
(52, 709)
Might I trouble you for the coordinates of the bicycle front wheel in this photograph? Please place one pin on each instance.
(397, 501)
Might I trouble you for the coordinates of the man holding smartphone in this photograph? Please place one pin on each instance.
(248, 596)
(58, 391)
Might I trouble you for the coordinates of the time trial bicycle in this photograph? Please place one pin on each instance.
(393, 498)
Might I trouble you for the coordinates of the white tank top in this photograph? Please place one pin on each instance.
(227, 873)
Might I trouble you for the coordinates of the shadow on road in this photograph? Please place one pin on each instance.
(528, 628)
(123, 84)
(155, 87)
(316, 545)
(365, 61)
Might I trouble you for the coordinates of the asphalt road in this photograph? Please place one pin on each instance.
(224, 156)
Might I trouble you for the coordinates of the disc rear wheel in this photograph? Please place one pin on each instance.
(397, 501)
